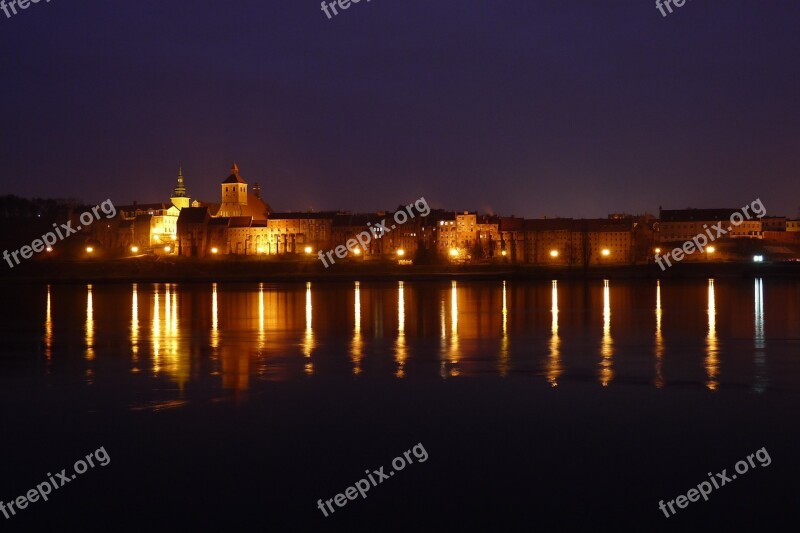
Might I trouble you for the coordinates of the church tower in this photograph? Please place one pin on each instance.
(179, 198)
(234, 194)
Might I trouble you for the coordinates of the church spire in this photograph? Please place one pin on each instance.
(180, 189)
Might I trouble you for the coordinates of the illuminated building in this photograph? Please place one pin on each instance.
(237, 202)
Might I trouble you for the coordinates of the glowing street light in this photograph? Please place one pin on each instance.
(658, 250)
(357, 251)
(401, 252)
(215, 250)
(167, 249)
(504, 253)
(261, 249)
(711, 249)
(453, 252)
(49, 248)
(606, 252)
(135, 249)
(308, 249)
(89, 249)
(553, 253)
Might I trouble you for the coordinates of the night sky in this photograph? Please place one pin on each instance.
(524, 107)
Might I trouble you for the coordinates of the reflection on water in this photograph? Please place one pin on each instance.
(268, 331)
(554, 359)
(453, 352)
(761, 381)
(214, 317)
(168, 356)
(659, 381)
(308, 339)
(356, 347)
(48, 329)
(261, 333)
(502, 364)
(135, 327)
(89, 324)
(606, 349)
(712, 346)
(400, 345)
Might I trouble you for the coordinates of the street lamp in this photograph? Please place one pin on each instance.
(553, 253)
(135, 249)
(606, 252)
(215, 250)
(89, 249)
(453, 252)
(308, 249)
(167, 249)
(401, 252)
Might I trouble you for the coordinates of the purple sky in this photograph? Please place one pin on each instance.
(525, 107)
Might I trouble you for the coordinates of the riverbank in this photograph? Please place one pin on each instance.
(188, 270)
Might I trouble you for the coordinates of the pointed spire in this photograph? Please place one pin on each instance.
(235, 169)
(180, 189)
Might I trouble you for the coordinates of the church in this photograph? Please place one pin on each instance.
(238, 202)
(237, 225)
(155, 226)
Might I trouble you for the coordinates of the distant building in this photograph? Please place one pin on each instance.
(773, 224)
(292, 233)
(680, 225)
(579, 241)
(179, 198)
(346, 226)
(246, 236)
(512, 239)
(237, 202)
(488, 237)
(155, 225)
(193, 235)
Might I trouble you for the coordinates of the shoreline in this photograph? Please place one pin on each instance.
(149, 271)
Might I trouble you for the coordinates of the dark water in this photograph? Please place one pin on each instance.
(563, 403)
(237, 338)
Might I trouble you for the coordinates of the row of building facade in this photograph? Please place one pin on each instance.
(243, 224)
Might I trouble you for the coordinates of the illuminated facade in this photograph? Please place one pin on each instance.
(567, 241)
(156, 225)
(293, 233)
(679, 225)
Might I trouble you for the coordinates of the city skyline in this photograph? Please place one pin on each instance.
(524, 109)
(285, 206)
